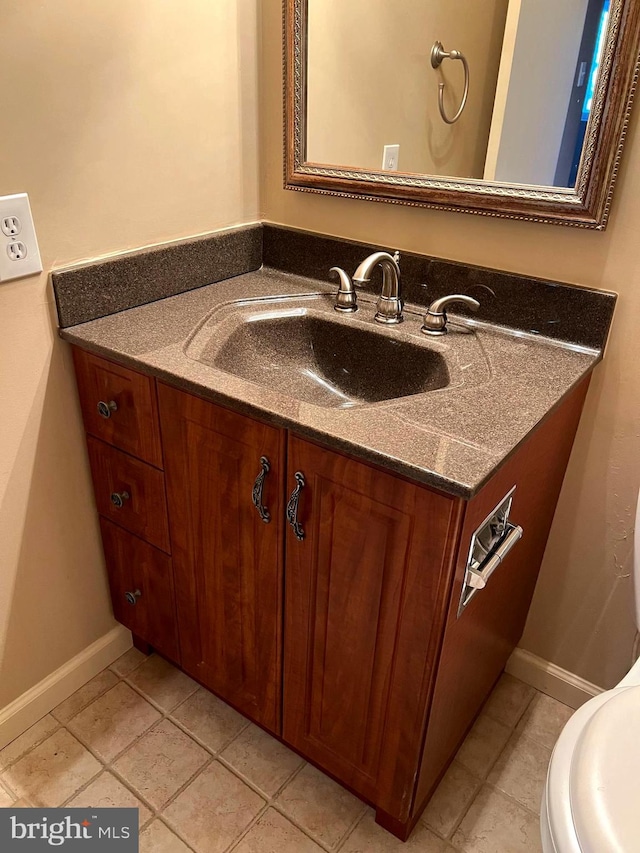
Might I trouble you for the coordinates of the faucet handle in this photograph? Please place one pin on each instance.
(435, 320)
(346, 299)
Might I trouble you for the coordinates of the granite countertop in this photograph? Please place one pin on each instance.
(454, 438)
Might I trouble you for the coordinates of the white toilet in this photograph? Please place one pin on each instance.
(591, 802)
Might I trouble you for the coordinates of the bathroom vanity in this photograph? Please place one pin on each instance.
(351, 574)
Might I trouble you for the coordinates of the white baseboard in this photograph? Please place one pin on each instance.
(548, 678)
(27, 709)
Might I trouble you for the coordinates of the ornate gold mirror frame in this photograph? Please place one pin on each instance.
(585, 206)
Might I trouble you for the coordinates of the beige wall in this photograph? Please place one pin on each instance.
(581, 618)
(371, 82)
(128, 123)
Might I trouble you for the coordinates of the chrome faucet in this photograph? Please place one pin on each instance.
(435, 320)
(346, 299)
(389, 305)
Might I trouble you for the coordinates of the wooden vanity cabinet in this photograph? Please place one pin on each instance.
(317, 594)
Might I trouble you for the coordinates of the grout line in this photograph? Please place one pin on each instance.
(163, 710)
(161, 812)
(33, 746)
(465, 811)
(512, 799)
(123, 782)
(251, 784)
(512, 732)
(4, 786)
(93, 698)
(121, 675)
(328, 847)
(215, 752)
(247, 829)
(478, 787)
(165, 822)
(108, 762)
(182, 788)
(351, 829)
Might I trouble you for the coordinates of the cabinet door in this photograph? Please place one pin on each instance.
(227, 560)
(366, 595)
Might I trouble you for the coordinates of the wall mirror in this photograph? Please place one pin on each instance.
(510, 108)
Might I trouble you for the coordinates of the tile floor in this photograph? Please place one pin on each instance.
(144, 734)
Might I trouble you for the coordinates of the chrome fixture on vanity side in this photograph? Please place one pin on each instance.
(435, 320)
(389, 305)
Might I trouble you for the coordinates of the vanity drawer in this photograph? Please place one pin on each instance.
(129, 492)
(119, 406)
(142, 589)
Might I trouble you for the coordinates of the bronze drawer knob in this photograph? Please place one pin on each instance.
(118, 499)
(132, 597)
(105, 410)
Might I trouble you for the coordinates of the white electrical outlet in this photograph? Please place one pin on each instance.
(390, 158)
(19, 253)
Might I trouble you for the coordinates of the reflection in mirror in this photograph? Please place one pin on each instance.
(373, 90)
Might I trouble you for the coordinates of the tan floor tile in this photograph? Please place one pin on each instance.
(483, 745)
(273, 833)
(521, 771)
(161, 762)
(213, 810)
(53, 771)
(495, 824)
(83, 697)
(209, 719)
(157, 838)
(127, 662)
(162, 682)
(24, 742)
(451, 800)
(6, 799)
(319, 805)
(107, 792)
(262, 760)
(368, 837)
(544, 719)
(22, 803)
(111, 723)
(508, 701)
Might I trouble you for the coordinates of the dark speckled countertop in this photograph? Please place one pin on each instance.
(453, 438)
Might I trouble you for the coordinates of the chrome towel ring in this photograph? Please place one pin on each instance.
(438, 53)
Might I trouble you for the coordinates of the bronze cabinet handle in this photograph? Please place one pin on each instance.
(105, 410)
(256, 494)
(292, 507)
